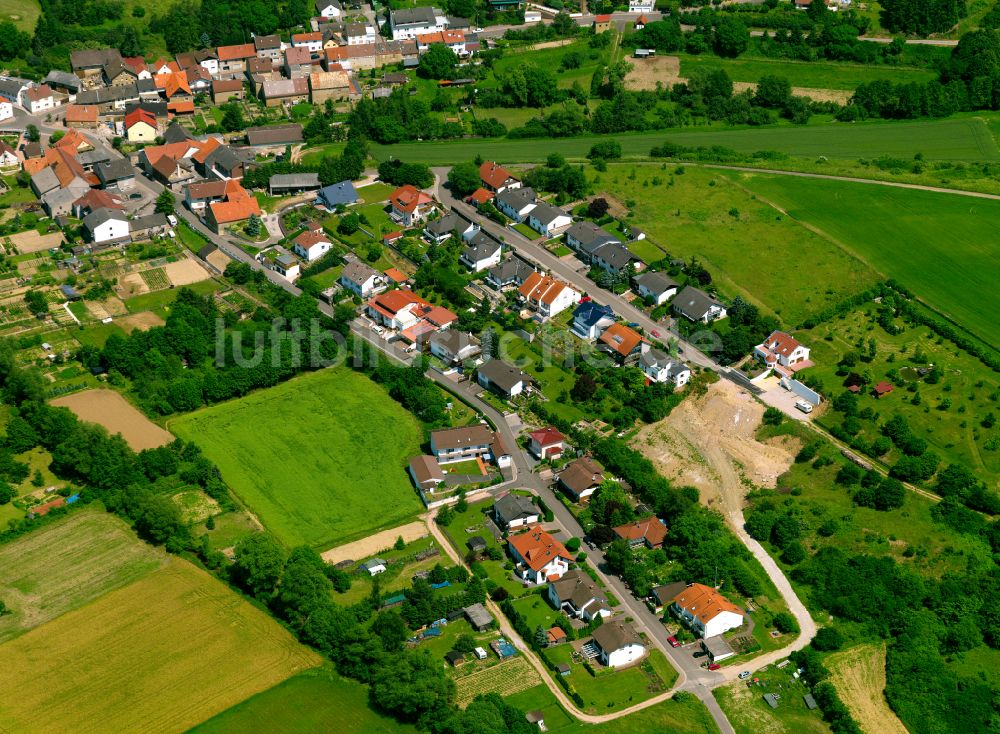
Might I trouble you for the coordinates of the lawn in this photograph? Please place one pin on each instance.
(941, 246)
(947, 414)
(957, 138)
(376, 192)
(750, 249)
(750, 714)
(551, 59)
(162, 654)
(312, 701)
(527, 231)
(320, 459)
(811, 74)
(94, 335)
(313, 156)
(67, 564)
(160, 301)
(552, 378)
(23, 13)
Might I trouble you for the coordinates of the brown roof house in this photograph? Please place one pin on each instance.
(581, 478)
(649, 532)
(469, 442)
(426, 473)
(619, 644)
(577, 595)
(503, 378)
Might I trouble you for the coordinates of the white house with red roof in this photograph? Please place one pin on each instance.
(782, 349)
(707, 612)
(539, 556)
(497, 179)
(546, 443)
(311, 246)
(409, 205)
(405, 312)
(547, 296)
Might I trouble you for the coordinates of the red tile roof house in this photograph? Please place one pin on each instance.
(410, 205)
(496, 179)
(404, 311)
(547, 296)
(237, 206)
(311, 246)
(539, 556)
(546, 443)
(649, 532)
(781, 349)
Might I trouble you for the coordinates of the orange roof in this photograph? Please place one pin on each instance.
(781, 343)
(240, 51)
(162, 62)
(621, 339)
(452, 37)
(429, 38)
(207, 147)
(538, 549)
(179, 106)
(602, 19)
(481, 196)
(440, 316)
(650, 529)
(641, 20)
(392, 302)
(540, 288)
(238, 205)
(136, 63)
(306, 37)
(338, 53)
(704, 602)
(407, 198)
(72, 140)
(493, 175)
(81, 113)
(140, 115)
(99, 199)
(62, 161)
(173, 83)
(547, 436)
(308, 240)
(396, 275)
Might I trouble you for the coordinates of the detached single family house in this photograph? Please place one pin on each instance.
(618, 643)
(659, 367)
(483, 252)
(106, 225)
(497, 179)
(440, 229)
(539, 556)
(578, 596)
(707, 612)
(590, 319)
(781, 349)
(469, 442)
(516, 203)
(503, 378)
(581, 478)
(409, 205)
(548, 220)
(648, 531)
(623, 343)
(514, 511)
(338, 194)
(311, 246)
(657, 287)
(426, 473)
(362, 279)
(696, 305)
(452, 346)
(546, 443)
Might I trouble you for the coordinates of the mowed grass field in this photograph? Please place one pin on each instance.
(754, 251)
(813, 74)
(958, 138)
(320, 459)
(162, 654)
(859, 677)
(67, 564)
(22, 13)
(943, 247)
(312, 701)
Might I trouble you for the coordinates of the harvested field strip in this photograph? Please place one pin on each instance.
(109, 409)
(366, 547)
(510, 676)
(160, 655)
(859, 677)
(63, 566)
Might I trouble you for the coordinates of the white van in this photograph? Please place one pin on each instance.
(804, 405)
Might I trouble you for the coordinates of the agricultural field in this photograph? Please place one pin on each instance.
(312, 701)
(948, 414)
(750, 714)
(319, 459)
(750, 249)
(940, 246)
(67, 564)
(109, 409)
(811, 74)
(859, 677)
(162, 654)
(957, 138)
(506, 678)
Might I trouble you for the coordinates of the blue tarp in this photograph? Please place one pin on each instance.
(441, 585)
(72, 498)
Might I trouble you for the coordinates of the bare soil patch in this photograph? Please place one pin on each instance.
(186, 272)
(31, 241)
(859, 677)
(366, 547)
(219, 260)
(710, 443)
(132, 285)
(143, 321)
(109, 409)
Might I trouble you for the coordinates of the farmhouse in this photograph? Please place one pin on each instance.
(361, 279)
(503, 378)
(707, 612)
(781, 349)
(659, 367)
(696, 305)
(469, 442)
(514, 511)
(577, 595)
(482, 252)
(452, 346)
(623, 343)
(581, 478)
(81, 115)
(117, 175)
(497, 179)
(426, 473)
(547, 296)
(539, 556)
(39, 99)
(655, 287)
(546, 443)
(649, 532)
(590, 319)
(618, 643)
(410, 205)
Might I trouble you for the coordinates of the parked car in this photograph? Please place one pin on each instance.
(673, 641)
(700, 654)
(714, 666)
(656, 333)
(744, 675)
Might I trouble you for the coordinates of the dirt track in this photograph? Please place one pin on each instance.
(367, 547)
(109, 409)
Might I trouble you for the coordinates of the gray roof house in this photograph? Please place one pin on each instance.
(613, 257)
(338, 194)
(659, 367)
(483, 252)
(504, 378)
(441, 229)
(514, 510)
(576, 594)
(176, 133)
(513, 272)
(585, 237)
(116, 173)
(143, 227)
(274, 135)
(658, 286)
(64, 80)
(44, 181)
(452, 346)
(697, 305)
(60, 201)
(287, 183)
(547, 219)
(516, 203)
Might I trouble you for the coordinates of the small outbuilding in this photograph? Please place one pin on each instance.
(810, 702)
(479, 617)
(374, 566)
(771, 700)
(455, 657)
(476, 544)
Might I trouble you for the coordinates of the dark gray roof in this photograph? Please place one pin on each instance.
(225, 158)
(592, 312)
(656, 283)
(546, 213)
(89, 58)
(481, 246)
(357, 271)
(612, 636)
(90, 158)
(514, 270)
(150, 221)
(106, 95)
(45, 180)
(693, 303)
(478, 615)
(321, 4)
(412, 16)
(116, 67)
(578, 588)
(274, 134)
(667, 593)
(590, 236)
(338, 193)
(116, 169)
(99, 216)
(661, 360)
(454, 340)
(295, 180)
(615, 254)
(458, 24)
(142, 86)
(512, 507)
(12, 86)
(175, 133)
(503, 375)
(448, 224)
(158, 109)
(63, 79)
(517, 198)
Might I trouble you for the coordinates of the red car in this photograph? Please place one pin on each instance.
(714, 666)
(673, 642)
(656, 333)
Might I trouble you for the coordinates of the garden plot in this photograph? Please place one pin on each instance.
(185, 272)
(109, 409)
(32, 241)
